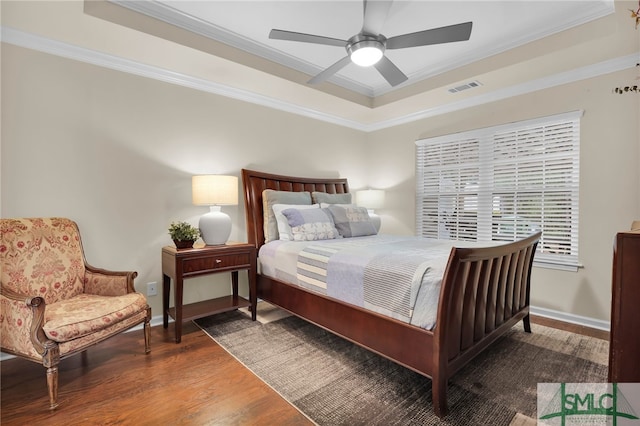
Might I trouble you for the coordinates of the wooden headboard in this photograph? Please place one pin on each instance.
(255, 182)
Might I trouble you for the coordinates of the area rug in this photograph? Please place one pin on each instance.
(334, 382)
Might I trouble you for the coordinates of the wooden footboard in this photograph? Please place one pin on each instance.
(484, 292)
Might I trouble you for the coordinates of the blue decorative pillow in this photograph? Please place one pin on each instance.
(311, 224)
(352, 221)
(326, 198)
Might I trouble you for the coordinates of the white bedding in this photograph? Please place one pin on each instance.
(393, 275)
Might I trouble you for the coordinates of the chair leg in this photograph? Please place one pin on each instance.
(52, 385)
(147, 332)
(50, 360)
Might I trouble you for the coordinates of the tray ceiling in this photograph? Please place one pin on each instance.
(498, 26)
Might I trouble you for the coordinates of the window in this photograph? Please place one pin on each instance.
(503, 183)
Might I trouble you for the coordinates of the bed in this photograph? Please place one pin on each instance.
(484, 292)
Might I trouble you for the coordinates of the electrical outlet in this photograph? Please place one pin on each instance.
(152, 289)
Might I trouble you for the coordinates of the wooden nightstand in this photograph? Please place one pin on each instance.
(202, 260)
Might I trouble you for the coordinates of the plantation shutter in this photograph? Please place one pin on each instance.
(503, 183)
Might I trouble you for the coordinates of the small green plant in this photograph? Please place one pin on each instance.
(183, 231)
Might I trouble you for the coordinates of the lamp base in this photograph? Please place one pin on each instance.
(215, 227)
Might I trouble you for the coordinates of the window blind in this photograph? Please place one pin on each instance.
(503, 183)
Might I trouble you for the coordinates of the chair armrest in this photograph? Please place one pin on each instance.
(108, 283)
(22, 320)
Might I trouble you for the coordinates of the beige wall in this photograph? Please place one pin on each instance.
(609, 178)
(116, 152)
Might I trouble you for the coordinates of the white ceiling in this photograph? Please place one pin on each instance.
(498, 26)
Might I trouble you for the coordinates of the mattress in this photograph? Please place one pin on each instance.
(397, 276)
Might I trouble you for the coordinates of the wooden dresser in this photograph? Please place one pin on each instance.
(624, 349)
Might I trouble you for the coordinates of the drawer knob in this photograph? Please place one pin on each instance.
(218, 261)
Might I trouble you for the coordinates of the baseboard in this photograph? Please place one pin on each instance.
(4, 357)
(155, 320)
(571, 318)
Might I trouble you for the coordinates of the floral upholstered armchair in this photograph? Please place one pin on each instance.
(53, 304)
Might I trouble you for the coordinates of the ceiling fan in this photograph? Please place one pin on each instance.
(368, 46)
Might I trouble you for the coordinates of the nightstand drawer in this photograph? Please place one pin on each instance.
(215, 262)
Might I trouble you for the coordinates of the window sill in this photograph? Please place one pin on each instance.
(558, 266)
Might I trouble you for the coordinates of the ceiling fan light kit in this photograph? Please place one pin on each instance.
(368, 46)
(365, 50)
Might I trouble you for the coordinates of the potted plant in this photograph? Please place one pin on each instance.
(183, 234)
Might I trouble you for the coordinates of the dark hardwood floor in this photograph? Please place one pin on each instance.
(195, 382)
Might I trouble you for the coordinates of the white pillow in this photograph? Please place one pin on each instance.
(284, 230)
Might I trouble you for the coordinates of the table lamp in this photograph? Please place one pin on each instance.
(371, 199)
(214, 191)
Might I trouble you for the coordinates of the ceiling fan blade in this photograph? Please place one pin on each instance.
(375, 15)
(306, 38)
(330, 71)
(390, 72)
(458, 32)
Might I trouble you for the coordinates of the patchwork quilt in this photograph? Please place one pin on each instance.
(393, 275)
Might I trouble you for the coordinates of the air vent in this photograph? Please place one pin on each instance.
(470, 85)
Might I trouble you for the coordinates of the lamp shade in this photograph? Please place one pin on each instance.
(214, 191)
(209, 190)
(370, 198)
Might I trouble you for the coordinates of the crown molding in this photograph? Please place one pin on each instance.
(69, 51)
(66, 50)
(583, 73)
